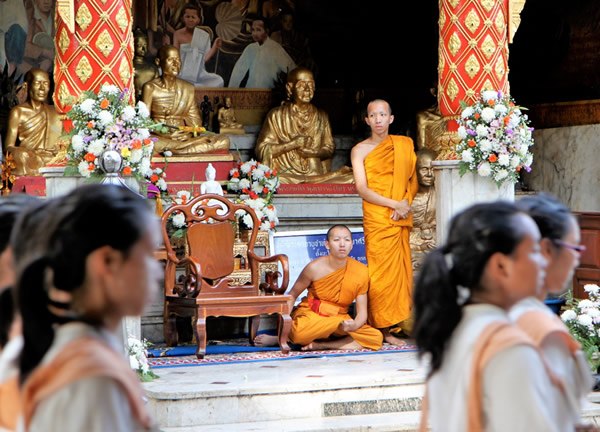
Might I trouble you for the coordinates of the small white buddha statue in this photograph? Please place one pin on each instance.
(211, 185)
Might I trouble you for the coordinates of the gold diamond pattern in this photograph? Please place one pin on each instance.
(124, 71)
(121, 19)
(472, 21)
(104, 43)
(63, 41)
(442, 19)
(453, 3)
(472, 66)
(452, 89)
(64, 96)
(500, 69)
(499, 23)
(487, 85)
(488, 4)
(453, 19)
(84, 69)
(454, 44)
(470, 93)
(441, 62)
(83, 17)
(488, 47)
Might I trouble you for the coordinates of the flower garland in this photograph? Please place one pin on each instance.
(495, 138)
(583, 321)
(105, 121)
(255, 184)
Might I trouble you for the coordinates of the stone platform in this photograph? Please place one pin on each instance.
(375, 392)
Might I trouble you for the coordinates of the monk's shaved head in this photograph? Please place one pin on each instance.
(338, 226)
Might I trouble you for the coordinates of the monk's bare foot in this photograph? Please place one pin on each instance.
(393, 340)
(309, 347)
(265, 340)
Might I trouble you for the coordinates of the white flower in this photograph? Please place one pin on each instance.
(247, 219)
(161, 184)
(485, 145)
(501, 109)
(136, 155)
(110, 89)
(462, 132)
(142, 109)
(178, 220)
(513, 121)
(467, 112)
(83, 168)
(258, 174)
(145, 169)
(133, 362)
(481, 130)
(585, 320)
(256, 188)
(105, 117)
(487, 95)
(244, 184)
(96, 147)
(515, 160)
(128, 113)
(528, 160)
(247, 166)
(488, 114)
(467, 155)
(504, 159)
(87, 106)
(484, 169)
(568, 315)
(591, 289)
(500, 175)
(168, 153)
(265, 226)
(77, 143)
(586, 304)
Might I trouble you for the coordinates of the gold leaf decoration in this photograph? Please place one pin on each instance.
(488, 47)
(83, 17)
(500, 68)
(84, 69)
(63, 41)
(499, 23)
(472, 66)
(470, 93)
(487, 85)
(453, 3)
(472, 21)
(454, 44)
(104, 43)
(452, 89)
(442, 19)
(64, 96)
(124, 71)
(121, 19)
(488, 4)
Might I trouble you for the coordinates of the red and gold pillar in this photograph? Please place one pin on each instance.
(94, 46)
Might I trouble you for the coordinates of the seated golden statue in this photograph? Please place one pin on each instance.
(33, 127)
(430, 126)
(227, 121)
(144, 70)
(296, 137)
(171, 102)
(422, 236)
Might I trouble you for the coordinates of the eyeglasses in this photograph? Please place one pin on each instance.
(577, 248)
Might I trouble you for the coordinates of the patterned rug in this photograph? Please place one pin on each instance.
(263, 356)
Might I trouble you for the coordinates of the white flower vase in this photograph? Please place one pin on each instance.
(111, 163)
(454, 193)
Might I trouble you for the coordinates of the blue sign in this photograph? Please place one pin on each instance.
(302, 247)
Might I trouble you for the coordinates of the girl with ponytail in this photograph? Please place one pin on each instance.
(90, 266)
(491, 260)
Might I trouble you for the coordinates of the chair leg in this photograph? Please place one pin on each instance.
(169, 327)
(201, 336)
(254, 326)
(285, 325)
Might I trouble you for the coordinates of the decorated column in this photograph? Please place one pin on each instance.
(94, 46)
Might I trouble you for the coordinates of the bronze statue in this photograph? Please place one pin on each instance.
(422, 236)
(171, 101)
(430, 126)
(33, 127)
(296, 137)
(144, 70)
(227, 122)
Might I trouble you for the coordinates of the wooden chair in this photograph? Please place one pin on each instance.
(198, 281)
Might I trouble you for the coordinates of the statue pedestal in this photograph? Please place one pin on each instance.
(58, 184)
(454, 193)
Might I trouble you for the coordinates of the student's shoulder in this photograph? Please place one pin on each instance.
(362, 148)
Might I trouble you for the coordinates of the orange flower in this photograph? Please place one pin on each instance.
(90, 157)
(153, 178)
(68, 125)
(147, 141)
(127, 171)
(265, 190)
(493, 158)
(136, 144)
(471, 143)
(236, 174)
(91, 167)
(491, 102)
(506, 120)
(104, 104)
(477, 115)
(90, 124)
(253, 195)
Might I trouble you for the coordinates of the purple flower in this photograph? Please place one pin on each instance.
(471, 132)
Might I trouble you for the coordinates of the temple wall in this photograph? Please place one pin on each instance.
(566, 164)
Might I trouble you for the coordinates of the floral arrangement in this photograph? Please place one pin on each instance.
(255, 184)
(6, 173)
(138, 358)
(583, 320)
(105, 121)
(495, 138)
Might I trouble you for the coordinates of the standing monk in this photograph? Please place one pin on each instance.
(321, 321)
(385, 177)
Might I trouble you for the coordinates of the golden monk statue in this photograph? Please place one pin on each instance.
(171, 102)
(296, 137)
(430, 126)
(144, 70)
(227, 121)
(33, 127)
(422, 236)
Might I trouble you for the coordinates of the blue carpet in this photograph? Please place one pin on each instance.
(188, 350)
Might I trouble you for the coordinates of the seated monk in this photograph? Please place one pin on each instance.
(227, 121)
(172, 102)
(321, 321)
(33, 127)
(296, 137)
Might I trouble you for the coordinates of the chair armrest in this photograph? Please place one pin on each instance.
(281, 258)
(194, 282)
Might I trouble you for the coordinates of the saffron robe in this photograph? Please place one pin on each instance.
(390, 171)
(336, 291)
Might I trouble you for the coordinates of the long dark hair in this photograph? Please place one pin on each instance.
(75, 225)
(474, 236)
(551, 216)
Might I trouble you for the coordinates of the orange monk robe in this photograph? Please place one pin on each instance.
(390, 172)
(10, 403)
(336, 291)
